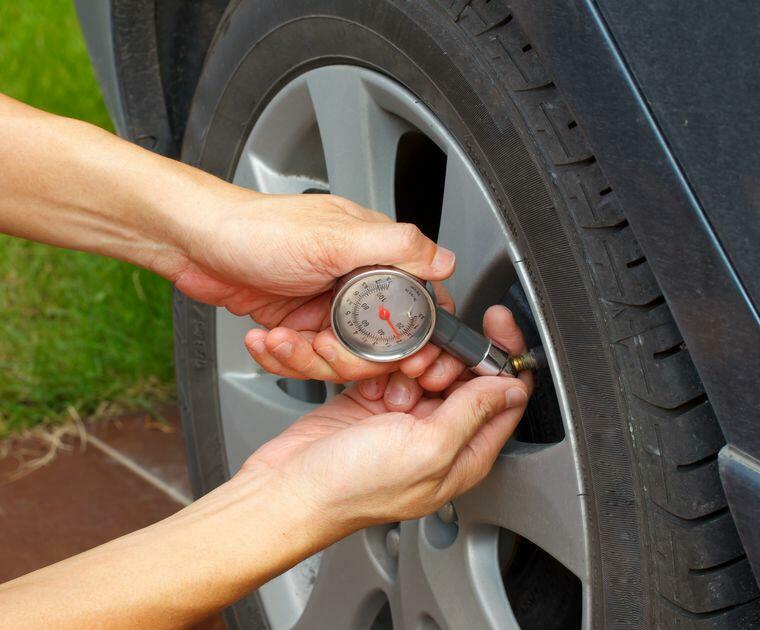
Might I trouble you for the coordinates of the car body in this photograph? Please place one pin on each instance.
(668, 90)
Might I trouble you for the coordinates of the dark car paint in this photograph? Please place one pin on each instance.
(700, 75)
(694, 211)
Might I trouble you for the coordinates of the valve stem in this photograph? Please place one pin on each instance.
(534, 359)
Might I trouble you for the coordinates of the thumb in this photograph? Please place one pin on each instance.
(402, 245)
(500, 326)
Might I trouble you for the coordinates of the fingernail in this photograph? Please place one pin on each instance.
(328, 353)
(443, 260)
(437, 369)
(258, 347)
(284, 350)
(398, 395)
(370, 389)
(516, 397)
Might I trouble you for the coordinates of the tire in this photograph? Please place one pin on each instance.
(665, 552)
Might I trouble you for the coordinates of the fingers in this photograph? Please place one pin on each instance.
(443, 298)
(313, 315)
(373, 388)
(478, 458)
(415, 365)
(473, 404)
(310, 355)
(295, 351)
(441, 373)
(320, 356)
(374, 407)
(402, 393)
(465, 376)
(375, 239)
(400, 244)
(426, 406)
(288, 353)
(499, 325)
(255, 343)
(489, 440)
(436, 370)
(347, 365)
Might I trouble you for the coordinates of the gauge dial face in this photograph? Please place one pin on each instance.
(383, 315)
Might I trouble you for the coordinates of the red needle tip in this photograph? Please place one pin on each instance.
(384, 314)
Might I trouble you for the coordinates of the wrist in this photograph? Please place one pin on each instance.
(253, 527)
(171, 204)
(193, 206)
(298, 504)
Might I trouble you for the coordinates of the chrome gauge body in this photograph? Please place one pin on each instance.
(382, 313)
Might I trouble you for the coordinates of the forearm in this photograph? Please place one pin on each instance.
(70, 184)
(178, 571)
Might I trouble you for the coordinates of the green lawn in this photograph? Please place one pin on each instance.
(78, 333)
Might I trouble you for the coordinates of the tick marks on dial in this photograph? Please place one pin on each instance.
(382, 315)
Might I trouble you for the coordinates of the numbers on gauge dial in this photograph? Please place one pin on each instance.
(384, 313)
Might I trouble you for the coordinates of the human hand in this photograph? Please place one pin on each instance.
(276, 258)
(310, 354)
(366, 461)
(400, 392)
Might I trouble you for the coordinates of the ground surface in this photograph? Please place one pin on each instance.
(76, 331)
(130, 473)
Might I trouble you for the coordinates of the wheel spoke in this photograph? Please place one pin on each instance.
(416, 595)
(533, 491)
(349, 588)
(254, 407)
(284, 148)
(255, 411)
(483, 263)
(255, 173)
(230, 333)
(285, 597)
(458, 586)
(359, 138)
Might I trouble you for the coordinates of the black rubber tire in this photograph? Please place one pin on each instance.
(665, 551)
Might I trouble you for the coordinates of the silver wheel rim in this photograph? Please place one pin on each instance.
(343, 124)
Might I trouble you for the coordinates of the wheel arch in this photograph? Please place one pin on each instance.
(148, 56)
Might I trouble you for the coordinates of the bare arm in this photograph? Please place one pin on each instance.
(325, 477)
(71, 184)
(274, 257)
(178, 571)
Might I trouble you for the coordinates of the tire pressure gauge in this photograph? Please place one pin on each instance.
(385, 314)
(382, 313)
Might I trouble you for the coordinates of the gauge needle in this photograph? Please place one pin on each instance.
(384, 314)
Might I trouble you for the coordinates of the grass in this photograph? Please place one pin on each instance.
(79, 335)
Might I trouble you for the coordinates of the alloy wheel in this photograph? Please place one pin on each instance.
(355, 133)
